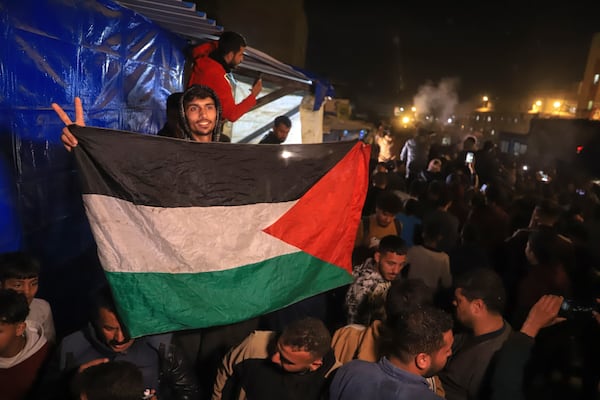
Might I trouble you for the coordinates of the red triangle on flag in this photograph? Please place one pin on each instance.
(324, 221)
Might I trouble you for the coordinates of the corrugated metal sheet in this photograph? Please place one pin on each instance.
(182, 18)
(177, 16)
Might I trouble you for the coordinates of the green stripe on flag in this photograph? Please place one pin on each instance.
(161, 302)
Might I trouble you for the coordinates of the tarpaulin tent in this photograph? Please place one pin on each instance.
(123, 65)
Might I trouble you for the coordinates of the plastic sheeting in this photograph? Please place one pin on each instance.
(121, 65)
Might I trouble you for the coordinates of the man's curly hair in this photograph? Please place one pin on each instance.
(307, 334)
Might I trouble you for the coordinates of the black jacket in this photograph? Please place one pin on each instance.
(261, 379)
(161, 363)
(270, 138)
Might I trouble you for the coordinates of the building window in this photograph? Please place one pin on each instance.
(596, 78)
(516, 148)
(523, 148)
(590, 104)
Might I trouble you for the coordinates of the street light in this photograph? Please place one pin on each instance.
(537, 106)
(485, 100)
(557, 105)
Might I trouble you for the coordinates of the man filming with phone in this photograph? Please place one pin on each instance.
(462, 169)
(213, 66)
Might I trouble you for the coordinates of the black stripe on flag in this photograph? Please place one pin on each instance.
(163, 172)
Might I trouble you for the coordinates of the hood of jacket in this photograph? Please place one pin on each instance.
(216, 135)
(34, 341)
(91, 335)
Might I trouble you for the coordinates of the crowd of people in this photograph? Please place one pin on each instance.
(467, 210)
(469, 283)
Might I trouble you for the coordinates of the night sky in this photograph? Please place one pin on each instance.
(388, 52)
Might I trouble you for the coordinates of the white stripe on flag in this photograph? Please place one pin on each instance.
(134, 238)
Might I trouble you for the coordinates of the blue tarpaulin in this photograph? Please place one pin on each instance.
(123, 66)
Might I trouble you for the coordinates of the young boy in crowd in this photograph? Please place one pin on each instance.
(23, 349)
(20, 272)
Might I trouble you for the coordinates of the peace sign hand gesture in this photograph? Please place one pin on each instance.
(69, 141)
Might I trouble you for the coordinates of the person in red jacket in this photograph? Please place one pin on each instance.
(213, 62)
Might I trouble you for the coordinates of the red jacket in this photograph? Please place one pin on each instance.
(209, 72)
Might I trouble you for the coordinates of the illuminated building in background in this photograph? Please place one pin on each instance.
(588, 104)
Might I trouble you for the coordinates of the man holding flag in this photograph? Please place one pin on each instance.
(199, 116)
(183, 248)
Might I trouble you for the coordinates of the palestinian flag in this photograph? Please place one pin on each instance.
(193, 235)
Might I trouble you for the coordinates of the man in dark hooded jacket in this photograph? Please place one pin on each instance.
(105, 339)
(199, 114)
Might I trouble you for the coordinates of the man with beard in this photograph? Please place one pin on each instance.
(105, 339)
(373, 278)
(416, 345)
(199, 114)
(479, 299)
(213, 64)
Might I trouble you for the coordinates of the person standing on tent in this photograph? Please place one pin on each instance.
(213, 63)
(199, 113)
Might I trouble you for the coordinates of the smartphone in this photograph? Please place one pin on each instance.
(483, 188)
(258, 78)
(572, 309)
(469, 157)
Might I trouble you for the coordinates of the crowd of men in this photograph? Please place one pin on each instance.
(455, 295)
